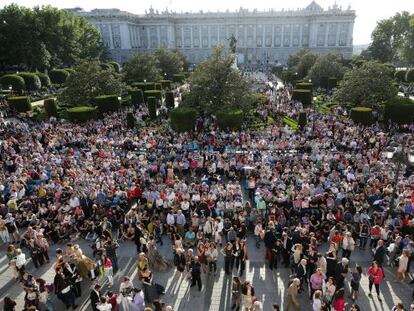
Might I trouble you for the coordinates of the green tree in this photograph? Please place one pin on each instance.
(305, 64)
(367, 85)
(89, 81)
(407, 50)
(169, 62)
(328, 65)
(294, 59)
(142, 67)
(216, 85)
(390, 39)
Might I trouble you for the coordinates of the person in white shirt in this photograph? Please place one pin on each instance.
(257, 231)
(212, 254)
(20, 261)
(104, 305)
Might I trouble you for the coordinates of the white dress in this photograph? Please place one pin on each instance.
(124, 301)
(402, 263)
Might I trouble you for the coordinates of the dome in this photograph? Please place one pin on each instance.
(314, 7)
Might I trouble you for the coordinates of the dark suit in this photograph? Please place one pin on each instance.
(95, 299)
(301, 275)
(379, 255)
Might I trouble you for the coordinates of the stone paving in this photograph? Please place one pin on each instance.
(270, 286)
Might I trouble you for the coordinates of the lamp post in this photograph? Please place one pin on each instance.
(396, 151)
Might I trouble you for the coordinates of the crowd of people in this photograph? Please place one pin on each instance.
(326, 186)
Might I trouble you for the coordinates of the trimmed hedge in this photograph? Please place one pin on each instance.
(130, 120)
(183, 119)
(230, 119)
(105, 66)
(178, 77)
(58, 76)
(400, 75)
(144, 86)
(302, 119)
(153, 93)
(107, 103)
(332, 83)
(362, 115)
(304, 96)
(19, 103)
(399, 110)
(169, 99)
(31, 80)
(116, 66)
(324, 82)
(50, 106)
(409, 77)
(166, 84)
(16, 82)
(152, 107)
(44, 79)
(137, 97)
(82, 113)
(70, 70)
(158, 86)
(304, 86)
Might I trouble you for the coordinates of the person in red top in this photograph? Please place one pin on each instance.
(375, 276)
(339, 302)
(375, 235)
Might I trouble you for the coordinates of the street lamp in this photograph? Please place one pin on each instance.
(396, 151)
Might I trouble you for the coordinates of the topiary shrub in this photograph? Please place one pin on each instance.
(166, 84)
(169, 99)
(362, 115)
(304, 96)
(324, 82)
(31, 80)
(399, 110)
(107, 103)
(130, 120)
(304, 86)
(149, 86)
(19, 103)
(178, 78)
(332, 83)
(58, 76)
(82, 113)
(44, 79)
(105, 66)
(158, 86)
(153, 93)
(70, 70)
(152, 107)
(50, 106)
(230, 119)
(400, 75)
(409, 77)
(16, 82)
(137, 97)
(183, 119)
(302, 119)
(116, 66)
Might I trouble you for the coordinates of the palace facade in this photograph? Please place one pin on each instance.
(263, 37)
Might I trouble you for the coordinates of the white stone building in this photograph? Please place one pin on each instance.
(266, 37)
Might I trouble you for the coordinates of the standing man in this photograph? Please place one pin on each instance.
(95, 297)
(110, 249)
(196, 273)
(379, 253)
(341, 272)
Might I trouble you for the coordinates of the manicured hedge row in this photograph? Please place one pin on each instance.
(183, 119)
(152, 107)
(166, 84)
(50, 106)
(304, 96)
(58, 76)
(70, 70)
(137, 97)
(130, 120)
(362, 115)
(332, 83)
(44, 79)
(153, 93)
(302, 119)
(82, 113)
(304, 86)
(169, 99)
(16, 82)
(144, 86)
(31, 80)
(107, 103)
(230, 119)
(400, 75)
(399, 110)
(409, 77)
(19, 103)
(178, 78)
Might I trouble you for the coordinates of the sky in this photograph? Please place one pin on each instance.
(368, 11)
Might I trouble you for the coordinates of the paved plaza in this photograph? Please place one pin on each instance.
(270, 286)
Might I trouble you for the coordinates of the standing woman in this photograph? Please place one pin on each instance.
(248, 296)
(356, 278)
(236, 293)
(212, 255)
(339, 302)
(402, 265)
(125, 292)
(227, 252)
(375, 276)
(179, 261)
(329, 292)
(243, 256)
(317, 301)
(108, 270)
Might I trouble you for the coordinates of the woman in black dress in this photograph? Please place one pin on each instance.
(180, 261)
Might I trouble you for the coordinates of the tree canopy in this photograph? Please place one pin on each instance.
(142, 67)
(89, 81)
(393, 40)
(216, 85)
(170, 62)
(329, 65)
(366, 85)
(44, 37)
